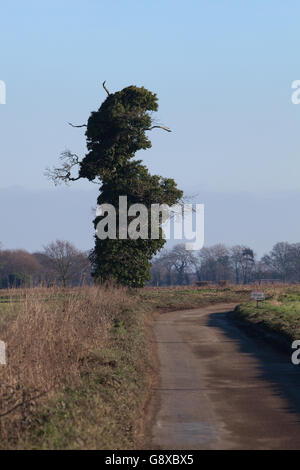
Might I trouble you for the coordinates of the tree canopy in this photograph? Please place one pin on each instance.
(114, 133)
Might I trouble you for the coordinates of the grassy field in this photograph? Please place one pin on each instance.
(279, 313)
(179, 298)
(80, 361)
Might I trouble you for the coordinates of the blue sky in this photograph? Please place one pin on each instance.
(222, 70)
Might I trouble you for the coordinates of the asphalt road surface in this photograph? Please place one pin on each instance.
(221, 388)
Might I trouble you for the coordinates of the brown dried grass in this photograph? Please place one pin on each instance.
(50, 334)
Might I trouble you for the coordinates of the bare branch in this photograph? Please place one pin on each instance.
(82, 125)
(63, 174)
(165, 128)
(103, 84)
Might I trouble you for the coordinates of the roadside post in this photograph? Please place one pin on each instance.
(2, 353)
(259, 296)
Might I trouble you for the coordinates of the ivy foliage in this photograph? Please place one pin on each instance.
(115, 132)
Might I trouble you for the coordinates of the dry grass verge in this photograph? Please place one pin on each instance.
(279, 314)
(58, 343)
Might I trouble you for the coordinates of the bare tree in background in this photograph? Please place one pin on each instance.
(244, 263)
(66, 261)
(214, 263)
(182, 261)
(17, 268)
(280, 259)
(158, 272)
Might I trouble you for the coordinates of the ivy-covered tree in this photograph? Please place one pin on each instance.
(114, 134)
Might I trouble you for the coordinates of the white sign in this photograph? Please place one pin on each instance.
(2, 353)
(257, 296)
(2, 92)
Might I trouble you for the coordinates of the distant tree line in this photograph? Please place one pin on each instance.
(237, 264)
(59, 263)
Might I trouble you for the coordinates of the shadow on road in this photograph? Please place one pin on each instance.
(273, 364)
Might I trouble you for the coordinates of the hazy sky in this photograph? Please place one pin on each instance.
(222, 70)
